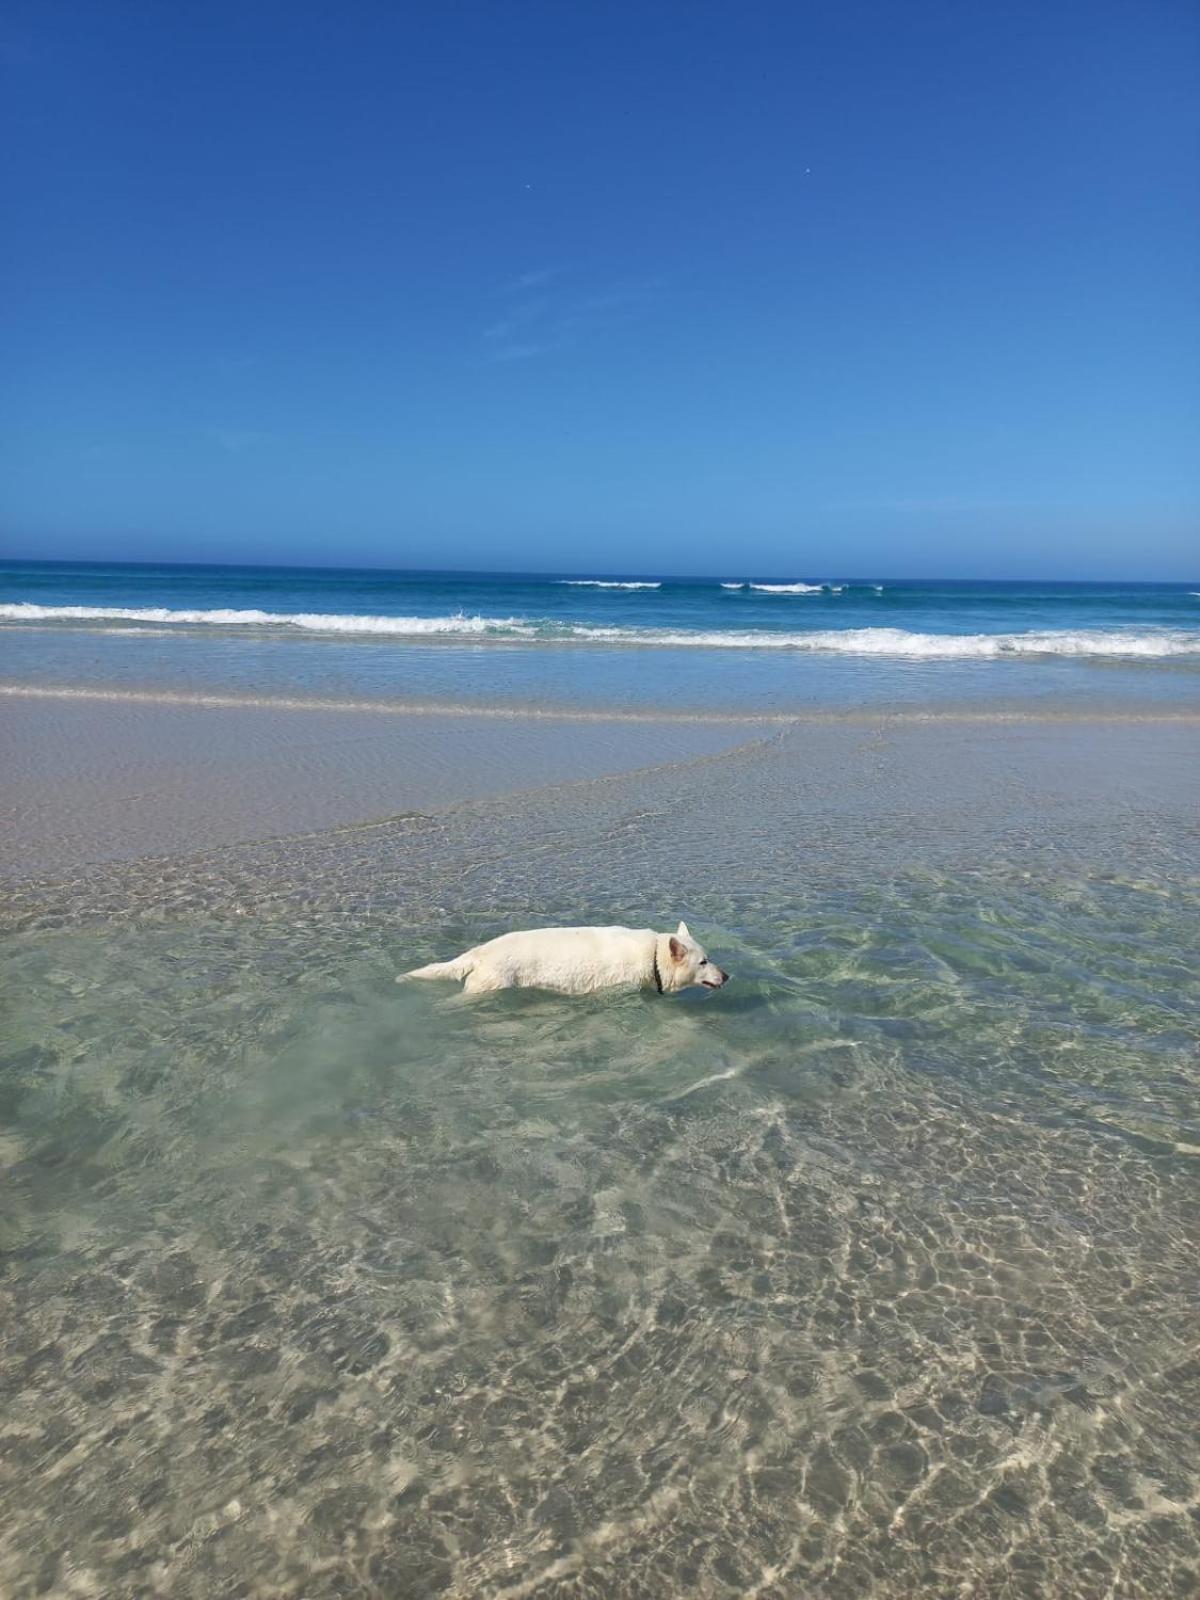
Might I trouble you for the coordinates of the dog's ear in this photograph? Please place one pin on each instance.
(682, 931)
(678, 951)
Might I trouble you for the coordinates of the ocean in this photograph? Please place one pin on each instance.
(872, 1275)
(725, 643)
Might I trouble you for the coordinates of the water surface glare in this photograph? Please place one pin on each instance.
(874, 1274)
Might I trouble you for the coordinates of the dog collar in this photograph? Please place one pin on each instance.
(657, 974)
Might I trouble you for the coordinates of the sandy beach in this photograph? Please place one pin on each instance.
(110, 775)
(718, 482)
(873, 1271)
(97, 775)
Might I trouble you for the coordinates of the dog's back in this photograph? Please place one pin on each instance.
(581, 960)
(573, 960)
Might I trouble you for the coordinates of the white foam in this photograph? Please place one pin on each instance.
(787, 588)
(900, 643)
(605, 583)
(733, 586)
(1118, 643)
(307, 621)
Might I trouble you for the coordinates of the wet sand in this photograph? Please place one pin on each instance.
(116, 776)
(111, 775)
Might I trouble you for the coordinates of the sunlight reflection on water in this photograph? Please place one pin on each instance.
(873, 1274)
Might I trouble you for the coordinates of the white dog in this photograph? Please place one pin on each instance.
(581, 960)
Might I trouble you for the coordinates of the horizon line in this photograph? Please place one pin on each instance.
(627, 574)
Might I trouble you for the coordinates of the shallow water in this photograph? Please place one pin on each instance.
(668, 643)
(874, 1274)
(592, 678)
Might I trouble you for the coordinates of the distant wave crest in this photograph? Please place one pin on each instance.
(802, 588)
(1119, 643)
(604, 583)
(788, 588)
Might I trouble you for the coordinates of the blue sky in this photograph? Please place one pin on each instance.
(874, 288)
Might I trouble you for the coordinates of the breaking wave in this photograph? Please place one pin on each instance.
(604, 583)
(306, 621)
(1111, 643)
(899, 642)
(799, 588)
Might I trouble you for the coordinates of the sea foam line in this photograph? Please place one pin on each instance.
(216, 700)
(604, 583)
(306, 621)
(900, 643)
(803, 588)
(415, 708)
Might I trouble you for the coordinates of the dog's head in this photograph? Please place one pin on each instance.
(688, 963)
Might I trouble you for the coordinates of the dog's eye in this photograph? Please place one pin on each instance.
(704, 963)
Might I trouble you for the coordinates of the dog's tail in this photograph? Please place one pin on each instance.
(458, 968)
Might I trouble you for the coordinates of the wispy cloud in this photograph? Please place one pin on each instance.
(519, 352)
(558, 316)
(516, 318)
(536, 279)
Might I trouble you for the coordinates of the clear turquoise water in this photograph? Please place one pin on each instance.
(874, 1274)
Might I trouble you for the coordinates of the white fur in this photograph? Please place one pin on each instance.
(580, 961)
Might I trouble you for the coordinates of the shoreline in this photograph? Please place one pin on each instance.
(584, 714)
(142, 790)
(108, 775)
(103, 776)
(98, 777)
